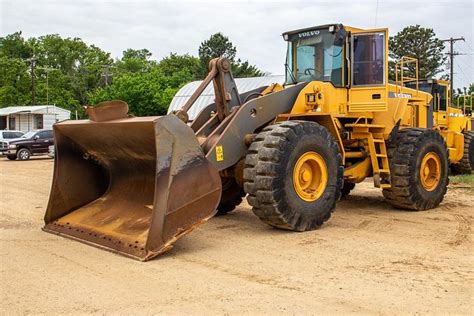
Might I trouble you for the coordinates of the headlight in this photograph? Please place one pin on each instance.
(310, 98)
(13, 146)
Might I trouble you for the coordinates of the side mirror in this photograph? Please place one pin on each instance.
(36, 137)
(340, 36)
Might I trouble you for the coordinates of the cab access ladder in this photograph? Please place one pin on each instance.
(377, 150)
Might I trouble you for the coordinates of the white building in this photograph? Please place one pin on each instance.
(32, 117)
(207, 96)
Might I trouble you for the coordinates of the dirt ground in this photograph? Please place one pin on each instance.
(368, 259)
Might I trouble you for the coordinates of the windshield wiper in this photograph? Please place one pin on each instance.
(291, 73)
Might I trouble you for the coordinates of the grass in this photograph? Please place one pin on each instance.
(462, 179)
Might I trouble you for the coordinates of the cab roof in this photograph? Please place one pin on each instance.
(320, 27)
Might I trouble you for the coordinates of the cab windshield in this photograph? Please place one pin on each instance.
(29, 135)
(314, 55)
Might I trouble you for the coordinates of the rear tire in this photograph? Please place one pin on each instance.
(11, 157)
(413, 188)
(231, 197)
(466, 164)
(273, 162)
(23, 154)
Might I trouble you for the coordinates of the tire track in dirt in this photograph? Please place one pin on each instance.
(463, 231)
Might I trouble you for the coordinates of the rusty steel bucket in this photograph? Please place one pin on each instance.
(130, 185)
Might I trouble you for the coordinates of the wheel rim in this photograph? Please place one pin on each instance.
(430, 171)
(310, 176)
(24, 155)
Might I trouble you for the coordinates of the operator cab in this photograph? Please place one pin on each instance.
(327, 53)
(437, 88)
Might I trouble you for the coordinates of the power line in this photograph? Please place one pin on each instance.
(451, 54)
(463, 60)
(462, 71)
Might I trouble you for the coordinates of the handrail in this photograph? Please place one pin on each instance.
(400, 66)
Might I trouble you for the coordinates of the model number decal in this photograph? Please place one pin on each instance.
(308, 33)
(399, 95)
(219, 153)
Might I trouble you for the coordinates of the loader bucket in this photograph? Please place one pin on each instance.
(131, 186)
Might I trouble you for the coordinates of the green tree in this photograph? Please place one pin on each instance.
(175, 63)
(14, 82)
(219, 45)
(134, 60)
(14, 46)
(244, 69)
(66, 68)
(421, 43)
(146, 93)
(150, 92)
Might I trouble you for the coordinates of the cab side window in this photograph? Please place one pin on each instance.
(442, 98)
(368, 59)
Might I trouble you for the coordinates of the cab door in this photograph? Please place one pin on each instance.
(440, 101)
(43, 140)
(369, 71)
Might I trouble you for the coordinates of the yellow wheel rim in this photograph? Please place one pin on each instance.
(310, 176)
(430, 171)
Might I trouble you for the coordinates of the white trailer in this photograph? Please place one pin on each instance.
(31, 118)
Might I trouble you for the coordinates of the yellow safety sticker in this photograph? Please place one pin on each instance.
(219, 153)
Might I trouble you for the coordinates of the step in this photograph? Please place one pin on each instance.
(376, 140)
(381, 155)
(384, 171)
(365, 125)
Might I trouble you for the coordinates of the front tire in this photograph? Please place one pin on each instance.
(23, 154)
(293, 175)
(418, 169)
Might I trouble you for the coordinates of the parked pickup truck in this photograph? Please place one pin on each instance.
(32, 143)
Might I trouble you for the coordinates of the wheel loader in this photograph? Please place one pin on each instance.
(134, 185)
(452, 122)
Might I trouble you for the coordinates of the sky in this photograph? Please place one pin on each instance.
(254, 27)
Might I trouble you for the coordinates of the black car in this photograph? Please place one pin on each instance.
(32, 143)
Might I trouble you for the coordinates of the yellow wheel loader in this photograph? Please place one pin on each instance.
(134, 185)
(454, 124)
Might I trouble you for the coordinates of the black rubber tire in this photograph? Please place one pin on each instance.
(405, 156)
(23, 154)
(466, 164)
(11, 157)
(346, 189)
(232, 195)
(268, 175)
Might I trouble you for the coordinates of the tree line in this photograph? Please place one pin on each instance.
(70, 73)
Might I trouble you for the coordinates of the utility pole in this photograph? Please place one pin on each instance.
(32, 61)
(47, 70)
(451, 54)
(106, 73)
